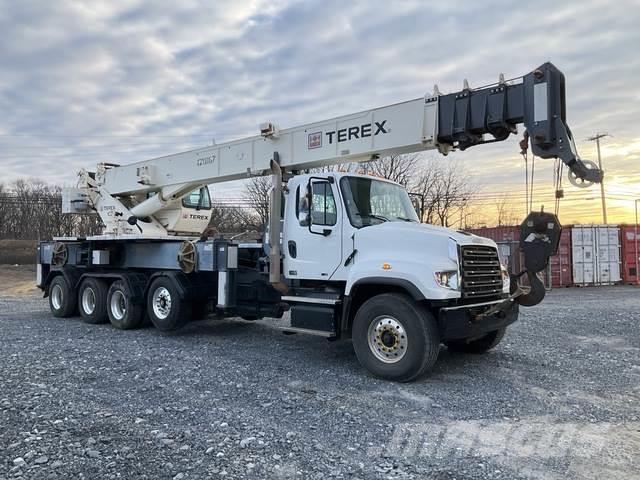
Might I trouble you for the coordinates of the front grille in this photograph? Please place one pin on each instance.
(480, 269)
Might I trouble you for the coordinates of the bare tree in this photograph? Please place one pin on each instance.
(31, 210)
(504, 211)
(446, 191)
(397, 168)
(257, 196)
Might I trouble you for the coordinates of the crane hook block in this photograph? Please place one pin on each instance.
(539, 239)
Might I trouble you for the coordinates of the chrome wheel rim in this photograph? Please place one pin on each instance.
(88, 300)
(161, 302)
(118, 305)
(56, 297)
(387, 339)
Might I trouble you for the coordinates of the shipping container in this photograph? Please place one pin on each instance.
(595, 254)
(560, 266)
(630, 245)
(498, 234)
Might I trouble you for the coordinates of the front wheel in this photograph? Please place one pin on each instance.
(479, 345)
(395, 338)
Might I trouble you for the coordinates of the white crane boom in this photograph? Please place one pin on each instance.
(404, 127)
(461, 119)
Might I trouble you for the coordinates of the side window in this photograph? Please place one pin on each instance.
(323, 205)
(198, 199)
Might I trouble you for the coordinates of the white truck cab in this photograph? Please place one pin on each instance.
(358, 227)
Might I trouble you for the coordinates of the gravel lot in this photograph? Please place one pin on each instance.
(559, 398)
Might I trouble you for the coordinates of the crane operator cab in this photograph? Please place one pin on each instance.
(187, 216)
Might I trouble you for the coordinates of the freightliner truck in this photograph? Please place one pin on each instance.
(344, 253)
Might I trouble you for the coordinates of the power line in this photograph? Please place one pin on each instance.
(45, 135)
(107, 145)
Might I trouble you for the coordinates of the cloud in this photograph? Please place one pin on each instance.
(129, 80)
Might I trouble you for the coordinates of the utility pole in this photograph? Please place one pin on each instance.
(597, 138)
(637, 259)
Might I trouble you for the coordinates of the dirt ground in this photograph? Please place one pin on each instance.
(18, 280)
(22, 252)
(558, 399)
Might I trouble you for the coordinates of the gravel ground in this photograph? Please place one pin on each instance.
(557, 399)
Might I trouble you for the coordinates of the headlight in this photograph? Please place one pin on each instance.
(506, 278)
(448, 279)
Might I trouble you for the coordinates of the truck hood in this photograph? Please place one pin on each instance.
(415, 231)
(410, 253)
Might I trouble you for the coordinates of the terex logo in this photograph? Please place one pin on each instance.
(362, 131)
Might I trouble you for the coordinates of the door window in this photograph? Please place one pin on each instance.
(323, 205)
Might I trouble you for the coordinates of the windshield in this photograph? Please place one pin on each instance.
(370, 202)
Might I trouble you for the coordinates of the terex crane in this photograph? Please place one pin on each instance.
(345, 253)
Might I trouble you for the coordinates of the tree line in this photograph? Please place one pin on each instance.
(32, 210)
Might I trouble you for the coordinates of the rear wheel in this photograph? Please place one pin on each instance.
(479, 345)
(92, 300)
(62, 298)
(166, 310)
(123, 313)
(395, 338)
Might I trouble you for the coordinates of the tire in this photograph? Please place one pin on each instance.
(123, 313)
(395, 338)
(166, 310)
(92, 301)
(62, 299)
(479, 345)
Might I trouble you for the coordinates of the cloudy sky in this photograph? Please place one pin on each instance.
(126, 80)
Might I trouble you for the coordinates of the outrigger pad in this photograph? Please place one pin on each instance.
(539, 239)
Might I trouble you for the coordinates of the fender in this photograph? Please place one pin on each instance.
(406, 285)
(414, 291)
(136, 282)
(187, 288)
(70, 274)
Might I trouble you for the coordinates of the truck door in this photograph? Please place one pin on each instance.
(313, 240)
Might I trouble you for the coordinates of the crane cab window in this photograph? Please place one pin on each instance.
(323, 205)
(198, 199)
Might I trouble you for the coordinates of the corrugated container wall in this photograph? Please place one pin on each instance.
(596, 254)
(630, 253)
(560, 265)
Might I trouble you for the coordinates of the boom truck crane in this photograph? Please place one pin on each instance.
(344, 253)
